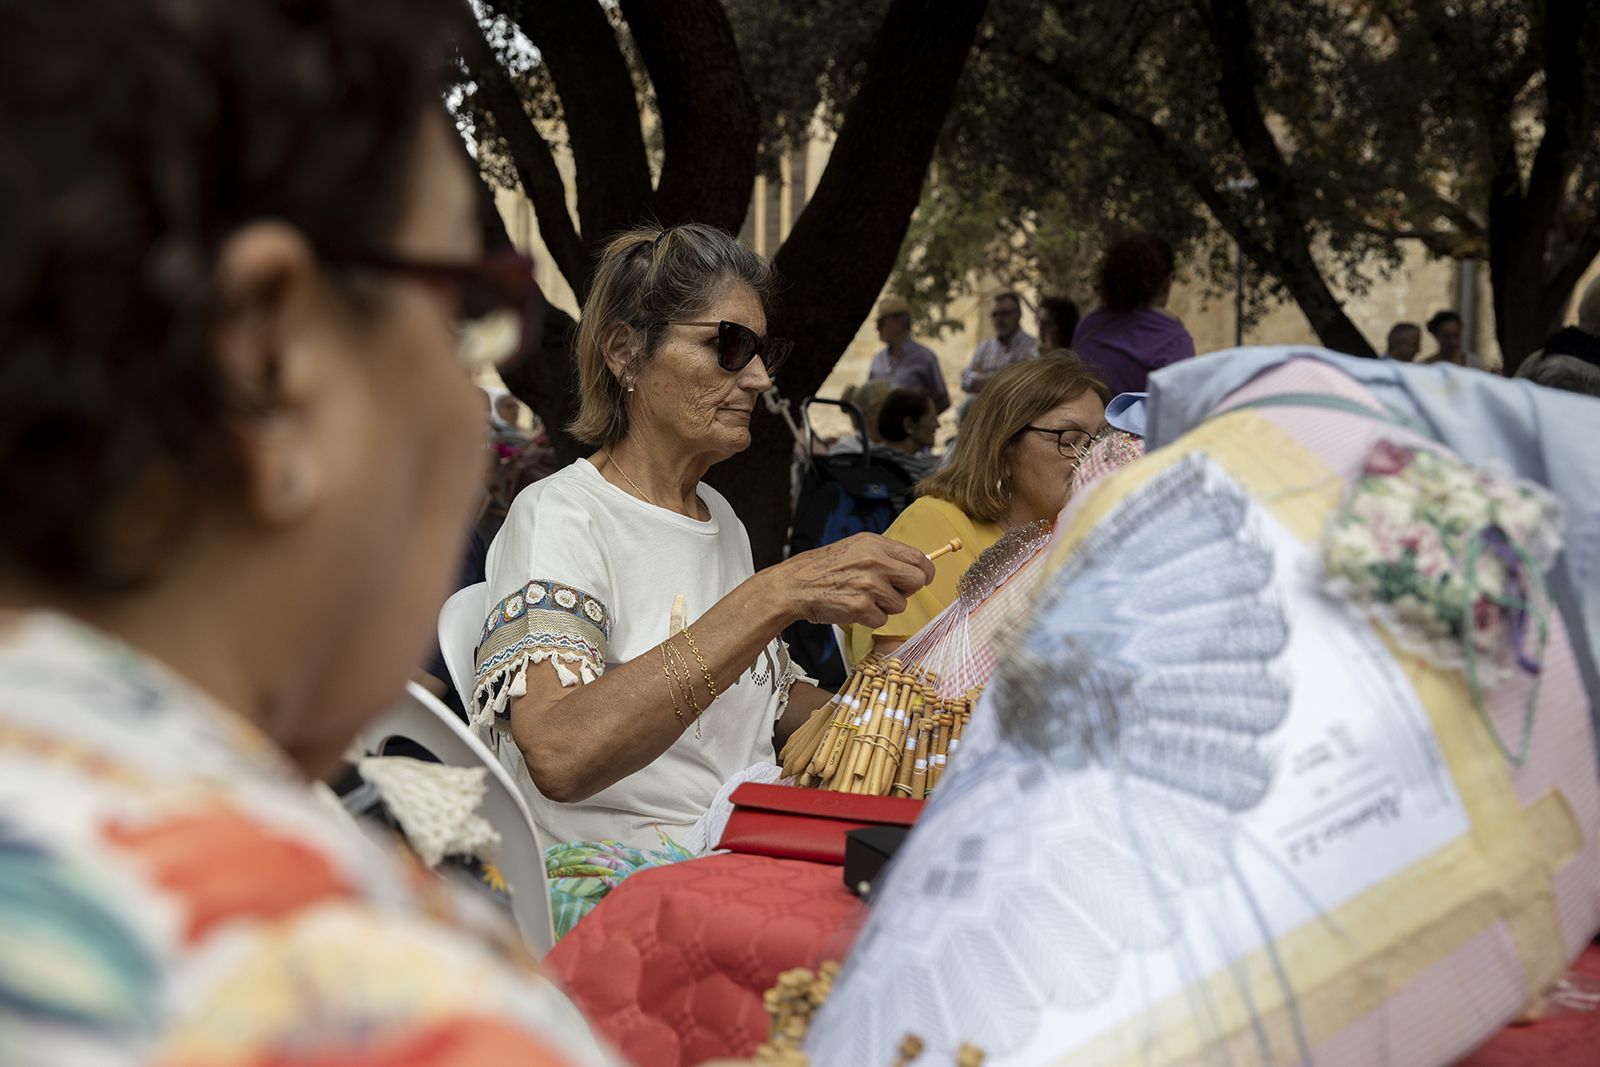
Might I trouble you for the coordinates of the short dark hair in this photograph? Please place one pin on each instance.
(1399, 328)
(1134, 271)
(1065, 314)
(898, 406)
(1007, 294)
(1440, 318)
(136, 137)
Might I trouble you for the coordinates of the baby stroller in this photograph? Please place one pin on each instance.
(840, 495)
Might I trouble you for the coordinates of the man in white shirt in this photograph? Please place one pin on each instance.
(1008, 345)
(903, 361)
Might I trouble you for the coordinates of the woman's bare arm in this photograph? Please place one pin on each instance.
(579, 740)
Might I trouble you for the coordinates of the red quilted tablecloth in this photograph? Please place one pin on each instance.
(1563, 1039)
(671, 966)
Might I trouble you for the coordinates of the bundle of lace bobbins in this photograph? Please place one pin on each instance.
(794, 1001)
(887, 732)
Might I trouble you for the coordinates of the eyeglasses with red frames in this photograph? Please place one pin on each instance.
(737, 345)
(501, 311)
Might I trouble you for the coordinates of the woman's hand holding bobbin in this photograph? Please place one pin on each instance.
(862, 579)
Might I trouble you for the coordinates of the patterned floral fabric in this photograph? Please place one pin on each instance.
(1447, 556)
(543, 621)
(173, 893)
(583, 872)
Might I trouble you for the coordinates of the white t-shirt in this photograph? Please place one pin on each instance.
(585, 576)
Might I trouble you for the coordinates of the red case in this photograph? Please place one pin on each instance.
(806, 824)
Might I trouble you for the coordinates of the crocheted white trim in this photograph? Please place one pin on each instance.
(435, 805)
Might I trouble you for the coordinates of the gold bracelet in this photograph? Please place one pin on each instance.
(680, 670)
(670, 690)
(711, 687)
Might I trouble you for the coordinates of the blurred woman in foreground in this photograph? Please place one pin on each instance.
(237, 448)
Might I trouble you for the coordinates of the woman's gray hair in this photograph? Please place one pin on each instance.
(647, 277)
(1559, 371)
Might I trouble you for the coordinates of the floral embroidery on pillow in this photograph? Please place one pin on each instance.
(1449, 558)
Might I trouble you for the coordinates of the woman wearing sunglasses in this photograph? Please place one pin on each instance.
(1013, 464)
(630, 663)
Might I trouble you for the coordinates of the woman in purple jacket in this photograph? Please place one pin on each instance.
(1131, 334)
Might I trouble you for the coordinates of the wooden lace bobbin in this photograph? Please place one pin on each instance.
(916, 706)
(801, 749)
(809, 735)
(908, 759)
(969, 1056)
(960, 717)
(796, 753)
(844, 710)
(919, 766)
(840, 777)
(941, 757)
(859, 755)
(910, 1050)
(858, 690)
(887, 760)
(842, 739)
(936, 747)
(882, 739)
(886, 763)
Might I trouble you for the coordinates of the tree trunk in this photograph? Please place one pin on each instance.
(845, 243)
(1322, 309)
(839, 252)
(710, 128)
(1288, 235)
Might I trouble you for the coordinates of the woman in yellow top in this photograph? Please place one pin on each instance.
(1012, 465)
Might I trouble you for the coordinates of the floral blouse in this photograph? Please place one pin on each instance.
(173, 893)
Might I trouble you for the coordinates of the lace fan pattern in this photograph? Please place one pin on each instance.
(1128, 736)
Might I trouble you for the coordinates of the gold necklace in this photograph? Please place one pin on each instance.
(612, 456)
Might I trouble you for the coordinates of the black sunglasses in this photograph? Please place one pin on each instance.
(737, 345)
(502, 308)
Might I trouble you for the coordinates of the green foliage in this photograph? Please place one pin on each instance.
(1385, 117)
(804, 61)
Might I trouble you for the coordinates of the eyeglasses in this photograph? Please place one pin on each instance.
(501, 310)
(737, 345)
(1071, 442)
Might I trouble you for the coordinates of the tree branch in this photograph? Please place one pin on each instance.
(1577, 263)
(1439, 242)
(577, 44)
(1566, 113)
(872, 183)
(709, 123)
(530, 154)
(1194, 173)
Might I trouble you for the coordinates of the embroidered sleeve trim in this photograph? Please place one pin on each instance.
(544, 621)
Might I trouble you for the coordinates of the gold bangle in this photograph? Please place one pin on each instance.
(711, 687)
(670, 690)
(681, 664)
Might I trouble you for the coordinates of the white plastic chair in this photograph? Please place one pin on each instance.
(460, 624)
(421, 718)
